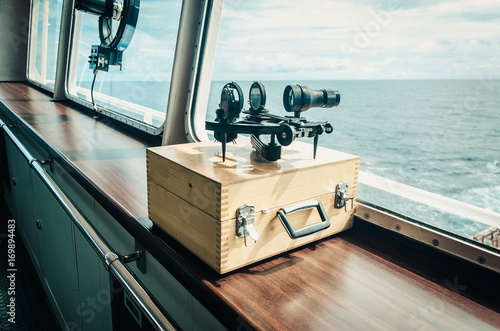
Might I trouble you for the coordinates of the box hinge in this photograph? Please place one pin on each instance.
(342, 196)
(245, 224)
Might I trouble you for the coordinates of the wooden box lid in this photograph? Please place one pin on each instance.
(196, 173)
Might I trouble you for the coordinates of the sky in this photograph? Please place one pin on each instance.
(322, 40)
(346, 39)
(150, 55)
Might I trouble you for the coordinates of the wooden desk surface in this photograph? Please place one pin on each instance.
(356, 280)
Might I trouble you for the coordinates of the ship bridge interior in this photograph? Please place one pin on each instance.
(93, 91)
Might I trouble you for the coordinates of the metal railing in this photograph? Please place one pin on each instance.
(459, 208)
(456, 245)
(113, 262)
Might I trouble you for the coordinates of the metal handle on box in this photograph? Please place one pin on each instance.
(308, 229)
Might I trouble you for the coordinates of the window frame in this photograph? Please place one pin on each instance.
(32, 45)
(461, 247)
(201, 84)
(465, 249)
(71, 76)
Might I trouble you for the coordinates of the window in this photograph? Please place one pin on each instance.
(418, 83)
(44, 40)
(138, 93)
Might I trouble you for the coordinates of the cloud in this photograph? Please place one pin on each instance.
(476, 11)
(402, 4)
(321, 39)
(346, 39)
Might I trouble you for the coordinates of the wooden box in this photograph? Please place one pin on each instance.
(196, 198)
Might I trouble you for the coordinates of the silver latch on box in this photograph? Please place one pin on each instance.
(342, 196)
(245, 224)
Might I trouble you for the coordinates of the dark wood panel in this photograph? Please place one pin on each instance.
(360, 279)
(112, 159)
(339, 284)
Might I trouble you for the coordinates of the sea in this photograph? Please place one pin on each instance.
(441, 136)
